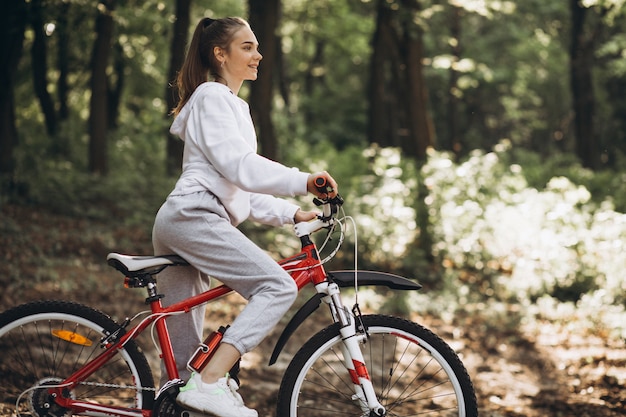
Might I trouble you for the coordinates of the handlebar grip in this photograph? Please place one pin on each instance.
(322, 185)
(320, 181)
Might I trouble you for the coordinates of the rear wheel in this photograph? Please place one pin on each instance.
(413, 371)
(44, 342)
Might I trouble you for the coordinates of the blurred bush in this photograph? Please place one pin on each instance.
(498, 237)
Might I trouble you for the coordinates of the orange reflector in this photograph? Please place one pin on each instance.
(72, 337)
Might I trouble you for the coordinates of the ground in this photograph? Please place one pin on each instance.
(537, 368)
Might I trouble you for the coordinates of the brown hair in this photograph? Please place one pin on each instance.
(200, 61)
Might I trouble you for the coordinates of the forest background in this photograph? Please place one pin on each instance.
(479, 144)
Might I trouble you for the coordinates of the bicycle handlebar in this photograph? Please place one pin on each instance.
(330, 207)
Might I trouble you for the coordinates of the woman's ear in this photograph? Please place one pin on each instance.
(219, 54)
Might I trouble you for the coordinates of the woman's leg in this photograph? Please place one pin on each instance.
(196, 228)
(177, 284)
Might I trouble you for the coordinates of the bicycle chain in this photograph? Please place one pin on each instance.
(101, 384)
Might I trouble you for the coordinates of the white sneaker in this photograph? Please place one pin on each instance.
(220, 398)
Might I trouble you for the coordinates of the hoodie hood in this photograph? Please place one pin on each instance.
(181, 119)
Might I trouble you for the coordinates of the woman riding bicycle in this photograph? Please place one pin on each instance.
(224, 182)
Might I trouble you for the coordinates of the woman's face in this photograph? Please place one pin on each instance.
(241, 60)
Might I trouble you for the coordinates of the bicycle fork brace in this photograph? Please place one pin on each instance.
(352, 355)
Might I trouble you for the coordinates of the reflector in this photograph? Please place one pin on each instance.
(72, 337)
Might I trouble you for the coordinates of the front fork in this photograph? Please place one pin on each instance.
(352, 355)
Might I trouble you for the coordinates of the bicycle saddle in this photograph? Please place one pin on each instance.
(133, 266)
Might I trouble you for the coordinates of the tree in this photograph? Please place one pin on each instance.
(12, 26)
(596, 80)
(40, 68)
(177, 56)
(581, 79)
(98, 105)
(421, 134)
(63, 30)
(454, 142)
(325, 52)
(264, 21)
(493, 69)
(398, 99)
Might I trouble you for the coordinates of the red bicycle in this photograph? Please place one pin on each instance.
(62, 358)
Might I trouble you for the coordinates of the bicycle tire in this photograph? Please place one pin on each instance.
(42, 343)
(413, 372)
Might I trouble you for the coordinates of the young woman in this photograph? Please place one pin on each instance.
(224, 182)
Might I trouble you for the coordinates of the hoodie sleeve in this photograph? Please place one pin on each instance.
(266, 209)
(220, 126)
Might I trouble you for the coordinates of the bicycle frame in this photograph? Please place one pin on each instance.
(304, 267)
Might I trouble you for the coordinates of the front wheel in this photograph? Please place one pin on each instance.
(44, 342)
(414, 372)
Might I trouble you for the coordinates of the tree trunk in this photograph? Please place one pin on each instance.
(311, 80)
(581, 65)
(454, 141)
(98, 105)
(63, 27)
(12, 27)
(381, 104)
(281, 71)
(264, 22)
(174, 156)
(398, 97)
(40, 68)
(115, 87)
(420, 130)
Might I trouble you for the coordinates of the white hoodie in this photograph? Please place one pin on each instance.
(221, 156)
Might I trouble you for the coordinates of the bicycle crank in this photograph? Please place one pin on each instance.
(165, 404)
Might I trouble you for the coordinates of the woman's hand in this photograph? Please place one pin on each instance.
(304, 216)
(330, 182)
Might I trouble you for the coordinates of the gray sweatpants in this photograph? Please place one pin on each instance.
(197, 228)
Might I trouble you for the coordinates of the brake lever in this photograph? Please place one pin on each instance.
(335, 201)
(330, 206)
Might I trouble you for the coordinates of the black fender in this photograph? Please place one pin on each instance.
(342, 279)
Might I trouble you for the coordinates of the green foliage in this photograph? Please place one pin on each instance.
(497, 236)
(507, 227)
(511, 63)
(326, 51)
(606, 186)
(132, 192)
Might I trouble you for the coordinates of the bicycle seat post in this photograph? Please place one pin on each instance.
(154, 300)
(153, 294)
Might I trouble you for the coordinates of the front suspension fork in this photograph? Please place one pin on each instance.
(352, 355)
